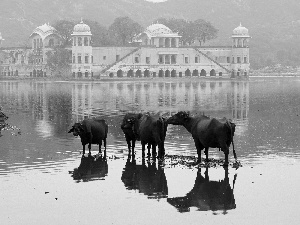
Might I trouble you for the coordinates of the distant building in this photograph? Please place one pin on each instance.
(159, 54)
(30, 61)
(43, 39)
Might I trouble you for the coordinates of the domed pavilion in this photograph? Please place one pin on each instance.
(159, 35)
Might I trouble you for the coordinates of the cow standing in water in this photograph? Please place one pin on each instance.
(130, 130)
(207, 132)
(152, 130)
(91, 131)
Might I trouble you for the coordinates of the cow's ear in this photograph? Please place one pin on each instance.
(186, 115)
(72, 130)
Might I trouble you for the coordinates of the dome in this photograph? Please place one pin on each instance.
(81, 29)
(44, 31)
(240, 31)
(46, 28)
(158, 29)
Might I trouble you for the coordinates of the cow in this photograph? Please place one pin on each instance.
(207, 132)
(130, 130)
(91, 131)
(207, 195)
(3, 117)
(151, 130)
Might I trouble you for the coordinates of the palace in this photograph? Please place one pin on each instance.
(157, 52)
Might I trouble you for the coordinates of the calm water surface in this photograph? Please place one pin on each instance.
(39, 159)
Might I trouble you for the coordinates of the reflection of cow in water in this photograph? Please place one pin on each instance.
(91, 168)
(148, 179)
(207, 195)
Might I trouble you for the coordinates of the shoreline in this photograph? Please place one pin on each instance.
(105, 79)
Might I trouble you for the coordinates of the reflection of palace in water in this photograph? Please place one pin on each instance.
(53, 106)
(227, 97)
(47, 103)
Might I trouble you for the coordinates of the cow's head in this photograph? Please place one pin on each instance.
(179, 118)
(128, 122)
(76, 129)
(231, 126)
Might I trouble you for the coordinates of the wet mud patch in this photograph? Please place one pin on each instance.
(7, 127)
(191, 162)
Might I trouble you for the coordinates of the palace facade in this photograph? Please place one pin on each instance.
(157, 52)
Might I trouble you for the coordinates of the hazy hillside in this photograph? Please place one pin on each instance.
(270, 22)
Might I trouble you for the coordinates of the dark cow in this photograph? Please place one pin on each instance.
(151, 130)
(148, 179)
(207, 195)
(91, 131)
(207, 132)
(91, 168)
(3, 117)
(130, 130)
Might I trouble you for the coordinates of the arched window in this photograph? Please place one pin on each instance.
(86, 41)
(173, 42)
(161, 42)
(51, 42)
(79, 41)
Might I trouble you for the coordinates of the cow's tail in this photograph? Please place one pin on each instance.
(230, 136)
(161, 125)
(106, 129)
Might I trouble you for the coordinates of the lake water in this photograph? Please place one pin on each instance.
(39, 159)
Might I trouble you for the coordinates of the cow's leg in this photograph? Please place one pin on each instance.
(100, 143)
(199, 147)
(128, 144)
(206, 153)
(90, 141)
(133, 146)
(226, 159)
(154, 151)
(149, 149)
(89, 146)
(225, 149)
(161, 150)
(83, 149)
(234, 154)
(143, 149)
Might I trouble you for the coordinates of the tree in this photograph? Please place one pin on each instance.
(203, 31)
(65, 29)
(100, 35)
(59, 59)
(190, 31)
(181, 26)
(123, 29)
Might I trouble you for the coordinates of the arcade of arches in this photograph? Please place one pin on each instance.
(165, 73)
